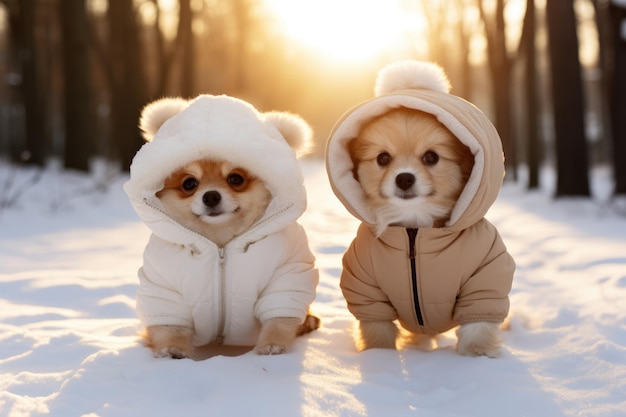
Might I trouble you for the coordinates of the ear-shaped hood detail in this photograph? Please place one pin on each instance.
(295, 131)
(156, 113)
(219, 128)
(421, 86)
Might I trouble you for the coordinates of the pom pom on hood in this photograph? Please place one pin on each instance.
(411, 75)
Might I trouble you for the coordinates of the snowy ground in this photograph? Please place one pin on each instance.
(68, 345)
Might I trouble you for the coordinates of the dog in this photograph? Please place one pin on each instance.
(228, 269)
(219, 201)
(420, 167)
(412, 170)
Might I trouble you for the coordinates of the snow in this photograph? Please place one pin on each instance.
(71, 245)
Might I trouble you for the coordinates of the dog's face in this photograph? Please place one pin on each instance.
(214, 198)
(411, 168)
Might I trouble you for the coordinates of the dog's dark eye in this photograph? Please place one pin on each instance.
(190, 184)
(383, 159)
(430, 158)
(235, 180)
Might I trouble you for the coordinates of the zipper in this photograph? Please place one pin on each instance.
(221, 282)
(412, 239)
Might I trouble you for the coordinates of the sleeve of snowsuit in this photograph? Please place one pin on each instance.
(159, 302)
(366, 300)
(291, 289)
(484, 296)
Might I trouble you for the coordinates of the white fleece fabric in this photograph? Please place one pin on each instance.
(266, 272)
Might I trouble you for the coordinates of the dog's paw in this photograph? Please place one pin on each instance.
(310, 324)
(271, 349)
(477, 350)
(479, 339)
(171, 352)
(170, 341)
(277, 335)
(376, 335)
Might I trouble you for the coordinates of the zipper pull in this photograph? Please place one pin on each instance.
(412, 237)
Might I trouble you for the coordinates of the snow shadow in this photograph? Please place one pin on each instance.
(131, 383)
(460, 388)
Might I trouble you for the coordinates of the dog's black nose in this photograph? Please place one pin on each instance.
(405, 181)
(211, 198)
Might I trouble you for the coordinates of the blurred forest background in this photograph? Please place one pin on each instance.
(551, 74)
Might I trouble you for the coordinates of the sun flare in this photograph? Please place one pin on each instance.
(347, 30)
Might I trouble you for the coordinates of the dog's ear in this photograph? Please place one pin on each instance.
(294, 130)
(156, 113)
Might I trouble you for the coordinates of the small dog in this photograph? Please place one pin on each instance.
(412, 170)
(420, 168)
(220, 201)
(227, 268)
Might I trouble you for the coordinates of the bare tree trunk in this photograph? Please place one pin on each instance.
(36, 137)
(164, 60)
(605, 29)
(128, 90)
(567, 97)
(532, 100)
(78, 106)
(465, 89)
(183, 48)
(185, 33)
(618, 99)
(241, 14)
(500, 68)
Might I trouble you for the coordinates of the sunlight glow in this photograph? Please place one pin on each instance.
(347, 30)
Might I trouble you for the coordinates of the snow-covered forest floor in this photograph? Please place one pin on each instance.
(70, 249)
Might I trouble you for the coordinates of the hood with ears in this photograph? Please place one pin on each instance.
(180, 131)
(421, 86)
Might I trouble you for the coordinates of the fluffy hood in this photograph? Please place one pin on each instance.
(178, 131)
(421, 86)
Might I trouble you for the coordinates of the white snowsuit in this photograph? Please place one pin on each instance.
(223, 293)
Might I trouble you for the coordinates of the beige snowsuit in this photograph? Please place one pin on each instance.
(431, 279)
